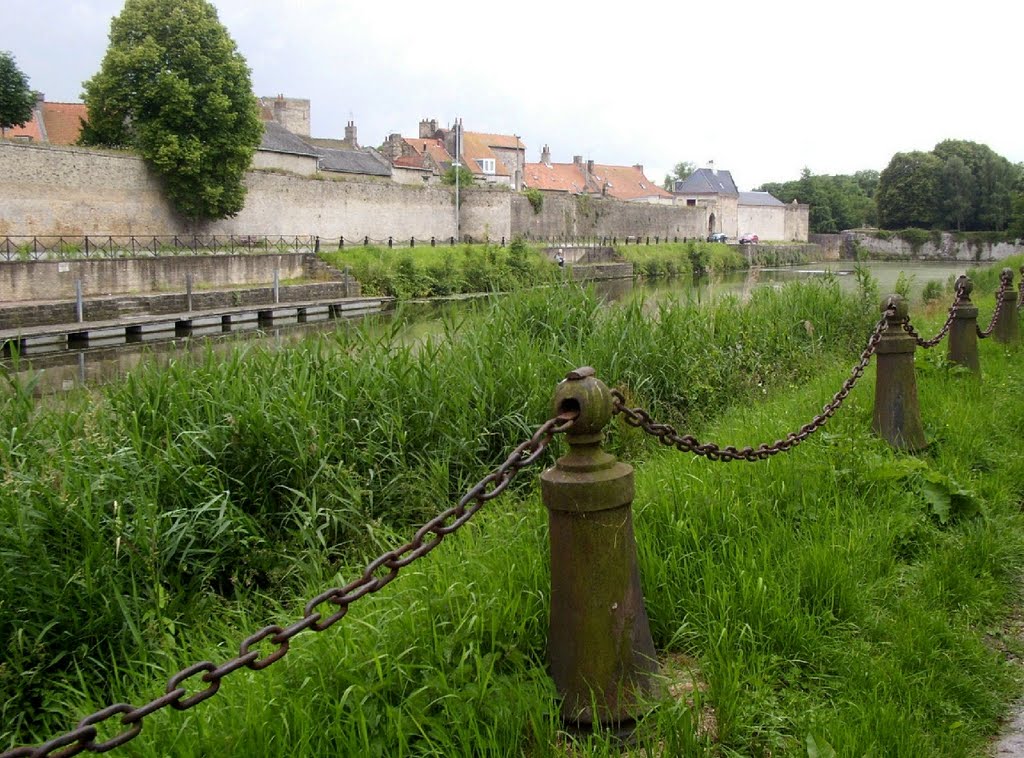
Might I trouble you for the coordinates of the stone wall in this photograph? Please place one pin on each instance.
(765, 221)
(940, 247)
(564, 216)
(47, 190)
(55, 280)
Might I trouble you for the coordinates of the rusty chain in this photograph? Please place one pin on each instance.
(1004, 282)
(667, 435)
(83, 736)
(909, 328)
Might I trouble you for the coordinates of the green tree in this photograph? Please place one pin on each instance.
(16, 99)
(1016, 226)
(173, 86)
(908, 191)
(682, 170)
(837, 202)
(987, 196)
(957, 187)
(466, 178)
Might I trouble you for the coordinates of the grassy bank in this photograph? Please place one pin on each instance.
(820, 593)
(447, 270)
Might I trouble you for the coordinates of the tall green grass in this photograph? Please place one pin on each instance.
(175, 512)
(440, 271)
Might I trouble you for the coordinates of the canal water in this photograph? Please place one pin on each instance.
(61, 371)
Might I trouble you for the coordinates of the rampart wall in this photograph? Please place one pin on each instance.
(47, 190)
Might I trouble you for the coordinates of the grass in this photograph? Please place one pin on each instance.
(440, 271)
(830, 594)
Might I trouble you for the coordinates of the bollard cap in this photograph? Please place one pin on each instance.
(583, 392)
(902, 310)
(963, 287)
(1006, 276)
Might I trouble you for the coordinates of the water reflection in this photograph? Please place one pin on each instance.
(60, 371)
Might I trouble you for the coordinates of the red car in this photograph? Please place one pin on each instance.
(749, 239)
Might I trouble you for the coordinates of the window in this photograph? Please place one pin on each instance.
(486, 165)
(691, 201)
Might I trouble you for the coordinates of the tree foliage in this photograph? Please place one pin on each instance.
(173, 86)
(837, 201)
(16, 99)
(908, 191)
(466, 178)
(959, 185)
(681, 170)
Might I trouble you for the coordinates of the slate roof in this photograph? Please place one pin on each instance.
(759, 198)
(352, 162)
(706, 181)
(277, 139)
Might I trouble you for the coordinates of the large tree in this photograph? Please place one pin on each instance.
(174, 86)
(837, 201)
(979, 187)
(16, 99)
(681, 170)
(908, 191)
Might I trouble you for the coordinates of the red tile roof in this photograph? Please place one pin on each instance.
(475, 148)
(63, 122)
(555, 177)
(30, 130)
(506, 141)
(627, 183)
(431, 147)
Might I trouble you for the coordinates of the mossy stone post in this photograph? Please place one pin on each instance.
(897, 416)
(1007, 326)
(599, 640)
(963, 332)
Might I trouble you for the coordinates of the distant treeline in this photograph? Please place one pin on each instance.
(959, 186)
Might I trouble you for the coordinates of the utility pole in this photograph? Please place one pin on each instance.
(458, 170)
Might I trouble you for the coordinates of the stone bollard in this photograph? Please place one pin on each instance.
(1020, 287)
(599, 640)
(963, 332)
(1007, 326)
(897, 416)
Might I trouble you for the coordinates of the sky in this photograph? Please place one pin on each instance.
(762, 89)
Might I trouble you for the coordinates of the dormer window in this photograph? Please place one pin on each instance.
(486, 165)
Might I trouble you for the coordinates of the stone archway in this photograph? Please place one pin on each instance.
(711, 224)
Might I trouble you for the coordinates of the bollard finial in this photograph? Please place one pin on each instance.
(895, 309)
(1006, 276)
(964, 286)
(584, 393)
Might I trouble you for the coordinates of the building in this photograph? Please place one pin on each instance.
(491, 158)
(52, 123)
(735, 213)
(626, 183)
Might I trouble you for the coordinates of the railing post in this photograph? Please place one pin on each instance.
(1007, 328)
(897, 415)
(599, 640)
(963, 332)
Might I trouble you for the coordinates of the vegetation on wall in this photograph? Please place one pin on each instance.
(16, 99)
(466, 178)
(173, 86)
(536, 198)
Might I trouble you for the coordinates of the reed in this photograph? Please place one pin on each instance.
(170, 514)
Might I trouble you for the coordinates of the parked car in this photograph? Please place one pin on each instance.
(717, 237)
(749, 239)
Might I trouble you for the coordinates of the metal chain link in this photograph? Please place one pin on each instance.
(909, 328)
(667, 435)
(1004, 282)
(206, 673)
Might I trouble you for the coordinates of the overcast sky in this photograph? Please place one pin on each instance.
(763, 89)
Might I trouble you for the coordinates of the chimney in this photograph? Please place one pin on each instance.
(40, 98)
(590, 167)
(578, 160)
(545, 155)
(427, 128)
(350, 135)
(639, 167)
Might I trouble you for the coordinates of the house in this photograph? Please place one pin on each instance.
(491, 158)
(52, 123)
(735, 213)
(626, 183)
(283, 149)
